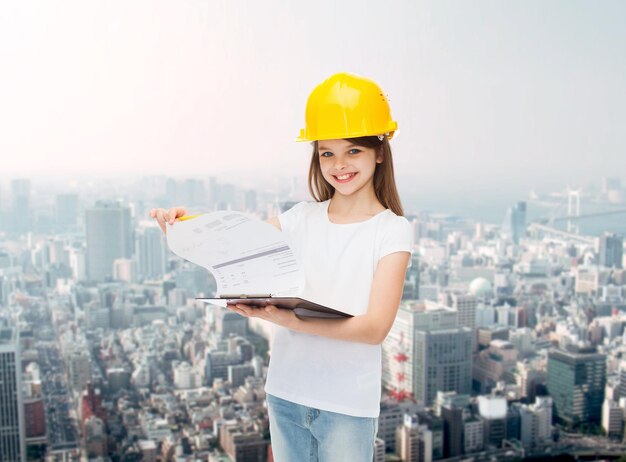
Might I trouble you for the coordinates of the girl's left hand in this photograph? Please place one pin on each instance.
(270, 313)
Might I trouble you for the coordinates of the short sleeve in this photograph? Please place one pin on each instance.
(397, 237)
(290, 217)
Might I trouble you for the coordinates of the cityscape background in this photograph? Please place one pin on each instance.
(510, 340)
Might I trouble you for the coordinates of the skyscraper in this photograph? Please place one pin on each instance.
(465, 306)
(514, 225)
(576, 380)
(151, 253)
(443, 362)
(399, 360)
(109, 236)
(414, 441)
(536, 421)
(611, 250)
(66, 210)
(412, 281)
(20, 217)
(12, 430)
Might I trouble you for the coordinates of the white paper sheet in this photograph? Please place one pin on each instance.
(245, 255)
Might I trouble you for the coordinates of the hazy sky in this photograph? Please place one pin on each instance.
(488, 94)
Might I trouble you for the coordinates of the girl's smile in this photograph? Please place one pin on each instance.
(345, 178)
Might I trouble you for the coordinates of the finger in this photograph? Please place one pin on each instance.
(234, 307)
(171, 216)
(249, 310)
(174, 213)
(180, 212)
(160, 219)
(243, 310)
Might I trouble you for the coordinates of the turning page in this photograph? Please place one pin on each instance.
(244, 255)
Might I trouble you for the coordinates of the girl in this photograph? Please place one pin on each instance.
(324, 378)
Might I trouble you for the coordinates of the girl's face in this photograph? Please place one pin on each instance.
(347, 167)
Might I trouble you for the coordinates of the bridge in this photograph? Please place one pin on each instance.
(537, 229)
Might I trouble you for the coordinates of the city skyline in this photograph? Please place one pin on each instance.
(120, 360)
(602, 207)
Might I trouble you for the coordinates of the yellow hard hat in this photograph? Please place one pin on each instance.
(347, 106)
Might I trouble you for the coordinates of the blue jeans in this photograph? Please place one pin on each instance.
(302, 434)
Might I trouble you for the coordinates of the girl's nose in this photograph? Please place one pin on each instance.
(340, 164)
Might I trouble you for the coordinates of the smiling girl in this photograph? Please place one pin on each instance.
(324, 377)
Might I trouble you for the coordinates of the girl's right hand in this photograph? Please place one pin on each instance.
(163, 216)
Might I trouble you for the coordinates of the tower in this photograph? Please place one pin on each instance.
(573, 209)
(611, 250)
(576, 380)
(12, 430)
(20, 222)
(514, 225)
(66, 210)
(151, 253)
(109, 236)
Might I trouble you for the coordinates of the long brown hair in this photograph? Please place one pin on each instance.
(384, 179)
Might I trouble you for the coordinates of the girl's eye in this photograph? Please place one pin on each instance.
(354, 151)
(323, 154)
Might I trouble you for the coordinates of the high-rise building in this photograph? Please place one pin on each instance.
(251, 200)
(193, 193)
(473, 433)
(398, 359)
(12, 428)
(465, 306)
(610, 183)
(94, 437)
(493, 365)
(536, 422)
(125, 269)
(414, 441)
(611, 250)
(243, 441)
(493, 411)
(612, 418)
(151, 253)
(576, 380)
(391, 416)
(214, 191)
(412, 280)
(35, 417)
(452, 414)
(379, 450)
(109, 236)
(66, 210)
(622, 379)
(21, 220)
(435, 425)
(216, 365)
(514, 225)
(79, 367)
(426, 352)
(443, 362)
(91, 404)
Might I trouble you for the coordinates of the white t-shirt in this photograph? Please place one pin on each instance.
(339, 262)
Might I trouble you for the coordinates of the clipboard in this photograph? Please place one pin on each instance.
(300, 306)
